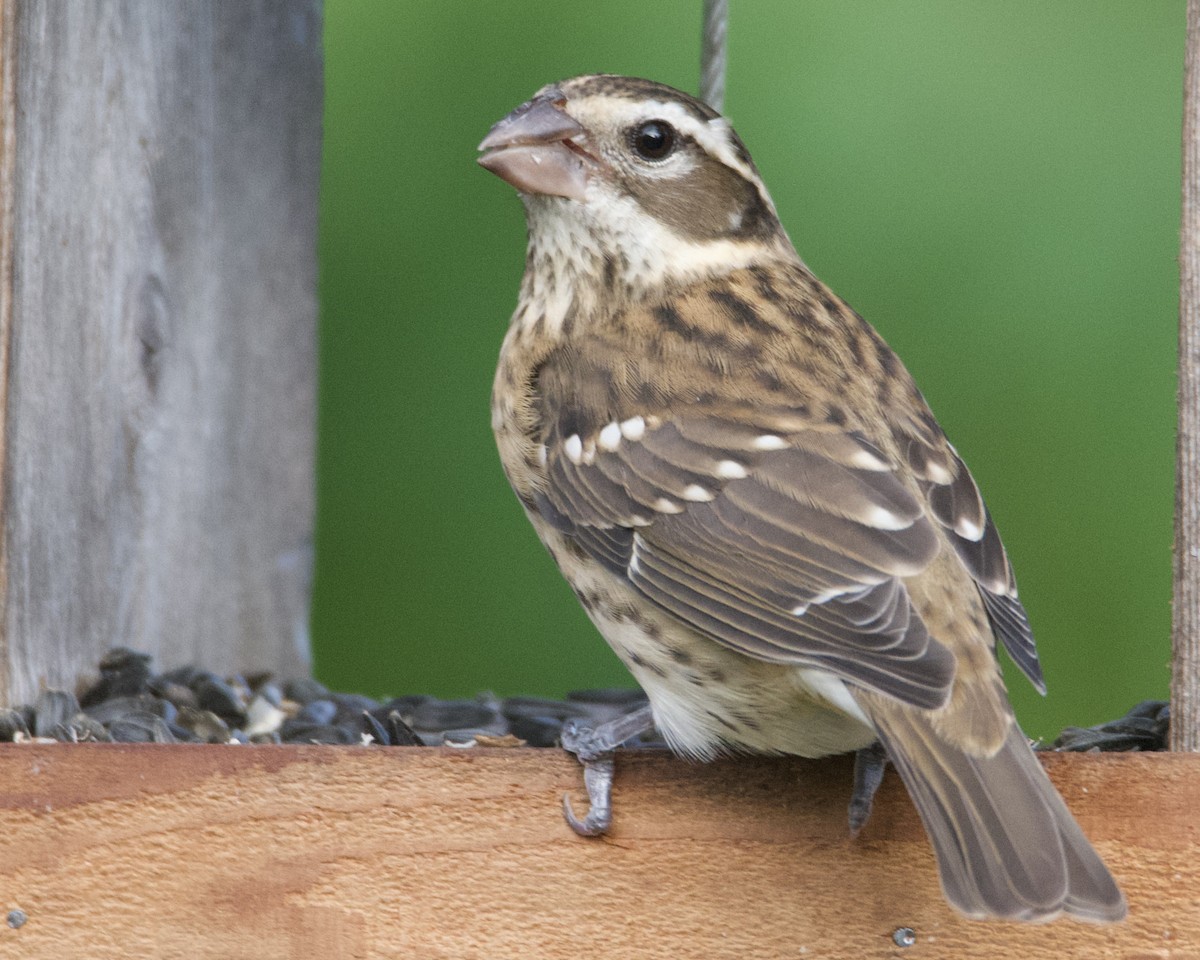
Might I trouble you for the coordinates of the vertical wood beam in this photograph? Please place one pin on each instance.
(157, 332)
(8, 113)
(1185, 628)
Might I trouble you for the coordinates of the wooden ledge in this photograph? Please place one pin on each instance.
(333, 852)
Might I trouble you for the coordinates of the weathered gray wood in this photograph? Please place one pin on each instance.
(158, 305)
(1185, 669)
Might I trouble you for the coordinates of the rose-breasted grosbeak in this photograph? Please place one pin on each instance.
(748, 494)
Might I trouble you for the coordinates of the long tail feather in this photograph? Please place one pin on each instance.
(1006, 844)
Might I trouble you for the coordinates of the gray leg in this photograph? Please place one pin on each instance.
(869, 766)
(594, 746)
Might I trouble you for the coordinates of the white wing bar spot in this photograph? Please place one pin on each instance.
(882, 519)
(968, 530)
(573, 448)
(610, 437)
(769, 441)
(865, 460)
(937, 473)
(633, 429)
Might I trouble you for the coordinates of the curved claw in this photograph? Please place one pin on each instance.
(598, 779)
(589, 826)
(593, 747)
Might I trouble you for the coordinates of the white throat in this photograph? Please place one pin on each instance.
(608, 249)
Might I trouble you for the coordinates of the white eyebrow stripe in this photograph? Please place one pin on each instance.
(714, 136)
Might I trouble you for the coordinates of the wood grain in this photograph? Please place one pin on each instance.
(158, 324)
(299, 852)
(1185, 628)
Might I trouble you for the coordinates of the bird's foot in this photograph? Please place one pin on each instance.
(593, 747)
(869, 766)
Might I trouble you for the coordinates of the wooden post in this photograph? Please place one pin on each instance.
(1185, 669)
(158, 185)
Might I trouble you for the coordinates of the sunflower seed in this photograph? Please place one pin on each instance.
(12, 722)
(141, 728)
(123, 673)
(53, 707)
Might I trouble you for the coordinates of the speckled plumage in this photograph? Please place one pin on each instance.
(749, 495)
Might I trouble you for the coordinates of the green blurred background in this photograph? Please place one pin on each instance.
(993, 185)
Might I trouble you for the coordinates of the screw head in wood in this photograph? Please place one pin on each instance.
(904, 936)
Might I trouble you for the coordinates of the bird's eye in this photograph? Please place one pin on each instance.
(653, 140)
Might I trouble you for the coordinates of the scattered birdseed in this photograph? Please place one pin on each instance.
(1142, 729)
(53, 708)
(131, 703)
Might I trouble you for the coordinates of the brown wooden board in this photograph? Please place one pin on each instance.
(326, 852)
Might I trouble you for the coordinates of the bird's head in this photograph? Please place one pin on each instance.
(636, 179)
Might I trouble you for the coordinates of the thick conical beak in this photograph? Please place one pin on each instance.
(531, 148)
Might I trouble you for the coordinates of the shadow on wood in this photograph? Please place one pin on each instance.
(296, 852)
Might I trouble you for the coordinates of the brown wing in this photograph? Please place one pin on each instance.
(955, 502)
(782, 539)
(777, 526)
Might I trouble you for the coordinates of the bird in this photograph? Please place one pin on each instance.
(751, 499)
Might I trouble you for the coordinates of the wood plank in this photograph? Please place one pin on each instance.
(1185, 624)
(298, 852)
(159, 316)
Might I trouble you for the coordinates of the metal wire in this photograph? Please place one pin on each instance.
(714, 55)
